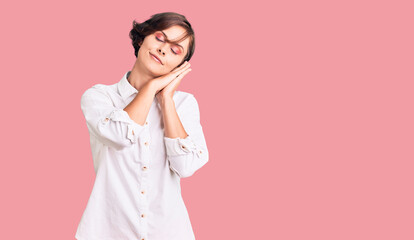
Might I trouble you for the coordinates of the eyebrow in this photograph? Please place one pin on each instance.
(167, 38)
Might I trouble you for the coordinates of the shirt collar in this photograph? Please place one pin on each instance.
(125, 88)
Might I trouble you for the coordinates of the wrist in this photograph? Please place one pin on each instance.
(167, 102)
(152, 87)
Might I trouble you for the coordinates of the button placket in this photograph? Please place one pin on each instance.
(144, 144)
(142, 198)
(144, 185)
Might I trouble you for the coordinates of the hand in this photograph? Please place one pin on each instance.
(164, 80)
(168, 91)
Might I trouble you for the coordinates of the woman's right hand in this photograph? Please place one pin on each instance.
(160, 82)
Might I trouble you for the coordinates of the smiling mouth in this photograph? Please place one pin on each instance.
(155, 58)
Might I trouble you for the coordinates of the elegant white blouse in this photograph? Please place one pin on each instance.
(137, 192)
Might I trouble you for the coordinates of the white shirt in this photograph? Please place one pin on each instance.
(137, 194)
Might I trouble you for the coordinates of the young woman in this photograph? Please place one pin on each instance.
(145, 136)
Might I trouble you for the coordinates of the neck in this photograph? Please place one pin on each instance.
(139, 76)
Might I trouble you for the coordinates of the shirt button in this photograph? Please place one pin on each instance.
(146, 123)
(201, 151)
(146, 143)
(106, 119)
(182, 146)
(133, 132)
(144, 168)
(142, 215)
(142, 191)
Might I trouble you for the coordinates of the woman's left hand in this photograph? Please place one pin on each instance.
(168, 91)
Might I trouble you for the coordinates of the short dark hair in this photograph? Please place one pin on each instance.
(159, 22)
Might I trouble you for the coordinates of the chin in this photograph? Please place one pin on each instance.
(155, 70)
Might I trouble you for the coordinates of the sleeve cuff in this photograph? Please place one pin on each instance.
(179, 146)
(133, 128)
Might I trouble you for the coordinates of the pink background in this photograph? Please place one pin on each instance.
(307, 108)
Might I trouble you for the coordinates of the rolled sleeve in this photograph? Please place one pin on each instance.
(180, 146)
(110, 125)
(187, 155)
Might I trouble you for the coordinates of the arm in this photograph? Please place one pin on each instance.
(173, 127)
(138, 108)
(114, 127)
(184, 139)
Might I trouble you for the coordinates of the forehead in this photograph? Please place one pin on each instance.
(176, 32)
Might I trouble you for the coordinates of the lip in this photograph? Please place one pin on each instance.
(160, 62)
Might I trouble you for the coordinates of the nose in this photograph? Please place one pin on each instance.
(161, 51)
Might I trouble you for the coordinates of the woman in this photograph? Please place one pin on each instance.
(145, 136)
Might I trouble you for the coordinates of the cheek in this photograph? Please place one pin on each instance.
(179, 64)
(142, 50)
(173, 66)
(176, 62)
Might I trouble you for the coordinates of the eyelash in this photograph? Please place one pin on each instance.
(163, 41)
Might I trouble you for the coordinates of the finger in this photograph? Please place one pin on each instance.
(178, 79)
(183, 65)
(174, 74)
(183, 73)
(174, 84)
(180, 72)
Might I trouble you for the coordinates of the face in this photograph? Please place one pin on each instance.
(170, 55)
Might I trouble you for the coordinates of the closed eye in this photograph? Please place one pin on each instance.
(163, 41)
